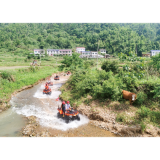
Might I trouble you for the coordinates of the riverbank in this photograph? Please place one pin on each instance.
(22, 79)
(118, 118)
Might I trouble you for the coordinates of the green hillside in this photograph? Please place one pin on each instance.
(115, 38)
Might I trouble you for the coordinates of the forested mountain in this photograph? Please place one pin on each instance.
(114, 37)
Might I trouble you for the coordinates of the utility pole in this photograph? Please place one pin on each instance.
(97, 54)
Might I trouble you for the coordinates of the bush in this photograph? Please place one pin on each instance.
(110, 66)
(33, 69)
(108, 87)
(25, 60)
(156, 92)
(130, 83)
(7, 75)
(125, 68)
(145, 112)
(141, 98)
(122, 118)
(143, 127)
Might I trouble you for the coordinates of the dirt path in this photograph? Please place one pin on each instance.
(12, 67)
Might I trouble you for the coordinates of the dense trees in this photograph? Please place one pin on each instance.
(115, 38)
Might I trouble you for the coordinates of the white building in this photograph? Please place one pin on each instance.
(80, 49)
(103, 51)
(90, 54)
(154, 52)
(52, 52)
(39, 52)
(94, 54)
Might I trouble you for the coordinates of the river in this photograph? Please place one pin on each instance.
(32, 102)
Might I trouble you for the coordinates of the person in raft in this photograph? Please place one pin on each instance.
(63, 107)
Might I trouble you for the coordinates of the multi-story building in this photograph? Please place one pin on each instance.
(154, 52)
(52, 52)
(90, 54)
(80, 49)
(39, 51)
(103, 51)
(86, 53)
(94, 54)
(65, 52)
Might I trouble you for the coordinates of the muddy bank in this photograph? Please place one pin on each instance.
(33, 129)
(106, 119)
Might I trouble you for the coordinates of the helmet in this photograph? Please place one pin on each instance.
(67, 101)
(63, 102)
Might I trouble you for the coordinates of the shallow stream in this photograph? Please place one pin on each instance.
(32, 102)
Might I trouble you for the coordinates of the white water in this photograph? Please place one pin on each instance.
(55, 94)
(46, 111)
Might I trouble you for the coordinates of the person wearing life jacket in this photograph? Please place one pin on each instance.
(63, 107)
(46, 87)
(68, 106)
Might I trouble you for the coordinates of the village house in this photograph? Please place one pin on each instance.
(102, 51)
(146, 54)
(154, 52)
(65, 52)
(52, 52)
(90, 54)
(80, 49)
(94, 54)
(39, 51)
(85, 54)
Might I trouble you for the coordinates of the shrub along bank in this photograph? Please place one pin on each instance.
(11, 81)
(107, 84)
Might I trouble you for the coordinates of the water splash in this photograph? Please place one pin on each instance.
(47, 117)
(55, 94)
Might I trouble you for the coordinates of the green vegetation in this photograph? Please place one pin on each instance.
(103, 81)
(9, 59)
(16, 79)
(140, 77)
(22, 38)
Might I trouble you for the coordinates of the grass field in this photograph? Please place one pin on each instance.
(18, 67)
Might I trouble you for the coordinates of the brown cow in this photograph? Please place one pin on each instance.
(128, 95)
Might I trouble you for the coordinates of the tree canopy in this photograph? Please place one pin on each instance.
(113, 37)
